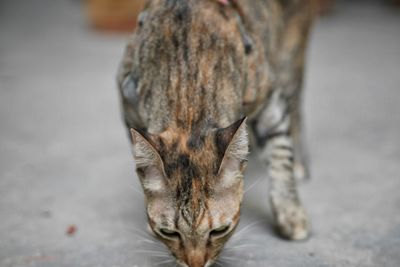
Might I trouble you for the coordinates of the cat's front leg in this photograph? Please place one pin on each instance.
(277, 152)
(290, 216)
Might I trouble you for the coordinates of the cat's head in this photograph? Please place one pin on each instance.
(193, 186)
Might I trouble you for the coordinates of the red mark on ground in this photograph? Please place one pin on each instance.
(71, 230)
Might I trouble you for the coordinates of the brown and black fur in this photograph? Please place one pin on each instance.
(190, 74)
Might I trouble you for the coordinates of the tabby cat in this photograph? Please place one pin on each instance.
(197, 76)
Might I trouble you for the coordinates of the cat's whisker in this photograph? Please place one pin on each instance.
(228, 263)
(253, 185)
(156, 256)
(139, 236)
(247, 227)
(135, 229)
(155, 252)
(141, 233)
(241, 246)
(161, 263)
(147, 241)
(132, 228)
(147, 244)
(152, 254)
(136, 190)
(252, 224)
(229, 258)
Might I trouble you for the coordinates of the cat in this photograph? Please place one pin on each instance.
(198, 79)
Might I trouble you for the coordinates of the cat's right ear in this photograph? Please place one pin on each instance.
(144, 149)
(149, 164)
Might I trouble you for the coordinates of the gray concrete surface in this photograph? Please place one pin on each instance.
(65, 159)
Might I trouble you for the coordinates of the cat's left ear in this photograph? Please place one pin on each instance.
(233, 146)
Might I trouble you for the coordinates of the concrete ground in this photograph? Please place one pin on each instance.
(65, 158)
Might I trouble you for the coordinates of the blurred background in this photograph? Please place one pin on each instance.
(68, 192)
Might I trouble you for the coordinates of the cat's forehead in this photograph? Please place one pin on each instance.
(189, 152)
(190, 164)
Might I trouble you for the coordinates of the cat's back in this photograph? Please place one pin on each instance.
(187, 63)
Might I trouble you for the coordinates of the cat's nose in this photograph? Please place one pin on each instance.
(196, 259)
(197, 263)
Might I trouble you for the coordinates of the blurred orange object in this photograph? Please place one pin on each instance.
(114, 15)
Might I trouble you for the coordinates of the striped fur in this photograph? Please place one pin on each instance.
(190, 73)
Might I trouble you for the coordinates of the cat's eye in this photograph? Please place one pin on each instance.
(169, 234)
(220, 231)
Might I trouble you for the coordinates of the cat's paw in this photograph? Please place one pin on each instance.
(292, 221)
